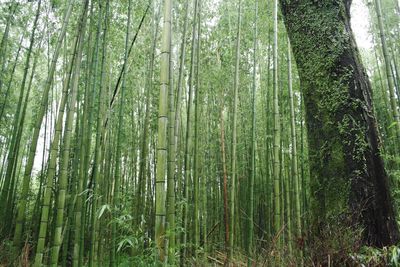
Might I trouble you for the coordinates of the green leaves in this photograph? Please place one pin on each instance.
(127, 242)
(392, 124)
(102, 209)
(369, 256)
(55, 3)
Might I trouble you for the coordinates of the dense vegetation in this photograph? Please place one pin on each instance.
(198, 132)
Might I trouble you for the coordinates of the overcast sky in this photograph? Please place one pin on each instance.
(360, 24)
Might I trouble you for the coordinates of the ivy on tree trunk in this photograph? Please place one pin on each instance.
(349, 182)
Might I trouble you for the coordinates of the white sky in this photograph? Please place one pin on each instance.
(360, 20)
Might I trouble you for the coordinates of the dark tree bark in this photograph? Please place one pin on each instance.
(348, 179)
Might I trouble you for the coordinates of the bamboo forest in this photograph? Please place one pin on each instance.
(199, 133)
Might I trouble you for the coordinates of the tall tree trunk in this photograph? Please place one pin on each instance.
(347, 171)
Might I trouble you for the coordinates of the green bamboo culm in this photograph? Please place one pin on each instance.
(144, 151)
(294, 170)
(162, 143)
(21, 207)
(389, 74)
(66, 143)
(87, 121)
(188, 134)
(18, 128)
(250, 226)
(99, 143)
(234, 135)
(196, 141)
(177, 121)
(170, 208)
(6, 195)
(8, 89)
(54, 143)
(117, 181)
(5, 41)
(277, 134)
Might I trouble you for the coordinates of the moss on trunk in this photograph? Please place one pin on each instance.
(348, 179)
